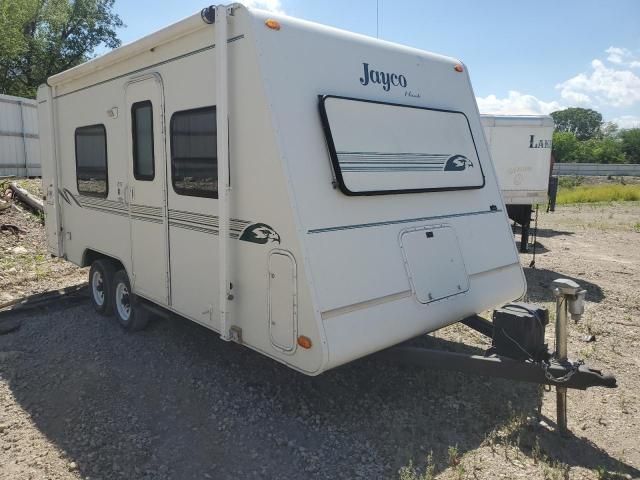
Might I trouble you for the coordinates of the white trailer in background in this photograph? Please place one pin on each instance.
(520, 147)
(19, 144)
(313, 194)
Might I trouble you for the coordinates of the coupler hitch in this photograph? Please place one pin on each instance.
(518, 351)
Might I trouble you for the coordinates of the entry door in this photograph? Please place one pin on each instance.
(146, 189)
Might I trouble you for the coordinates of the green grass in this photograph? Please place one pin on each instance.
(598, 193)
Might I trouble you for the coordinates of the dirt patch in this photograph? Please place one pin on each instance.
(25, 265)
(79, 398)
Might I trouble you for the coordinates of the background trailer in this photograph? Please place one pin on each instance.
(520, 147)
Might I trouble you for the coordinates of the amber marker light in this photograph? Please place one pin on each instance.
(304, 341)
(458, 68)
(272, 24)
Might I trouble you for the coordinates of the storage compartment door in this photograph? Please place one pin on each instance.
(434, 263)
(282, 300)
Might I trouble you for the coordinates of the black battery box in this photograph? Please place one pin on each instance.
(518, 331)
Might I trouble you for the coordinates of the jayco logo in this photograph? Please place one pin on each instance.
(533, 143)
(387, 80)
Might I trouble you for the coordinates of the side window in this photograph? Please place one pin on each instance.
(194, 157)
(91, 160)
(142, 136)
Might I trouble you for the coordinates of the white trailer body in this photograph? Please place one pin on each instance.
(363, 207)
(520, 147)
(19, 144)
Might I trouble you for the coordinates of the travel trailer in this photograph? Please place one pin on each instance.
(310, 193)
(520, 147)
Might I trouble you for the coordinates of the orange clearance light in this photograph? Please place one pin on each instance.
(458, 68)
(304, 341)
(272, 24)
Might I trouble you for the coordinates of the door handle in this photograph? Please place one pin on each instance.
(122, 192)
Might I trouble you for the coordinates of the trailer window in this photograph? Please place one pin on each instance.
(382, 148)
(142, 133)
(91, 160)
(194, 157)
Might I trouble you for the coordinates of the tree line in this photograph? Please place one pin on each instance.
(582, 136)
(39, 38)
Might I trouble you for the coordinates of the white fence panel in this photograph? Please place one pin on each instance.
(19, 141)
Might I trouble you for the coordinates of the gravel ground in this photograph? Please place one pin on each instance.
(79, 398)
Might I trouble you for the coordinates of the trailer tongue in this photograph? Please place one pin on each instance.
(518, 351)
(566, 374)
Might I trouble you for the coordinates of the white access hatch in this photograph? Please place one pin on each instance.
(434, 262)
(283, 300)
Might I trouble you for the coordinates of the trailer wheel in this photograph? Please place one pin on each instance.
(101, 276)
(129, 312)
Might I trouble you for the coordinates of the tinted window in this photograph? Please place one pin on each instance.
(91, 160)
(142, 132)
(194, 160)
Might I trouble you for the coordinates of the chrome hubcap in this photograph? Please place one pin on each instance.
(97, 288)
(123, 301)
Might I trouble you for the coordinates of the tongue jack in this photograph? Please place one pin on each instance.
(569, 300)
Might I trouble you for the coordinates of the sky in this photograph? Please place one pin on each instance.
(524, 56)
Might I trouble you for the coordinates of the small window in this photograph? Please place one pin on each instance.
(91, 160)
(142, 133)
(194, 156)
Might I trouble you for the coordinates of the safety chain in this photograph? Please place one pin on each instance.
(566, 377)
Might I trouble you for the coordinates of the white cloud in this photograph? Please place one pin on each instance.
(622, 56)
(516, 103)
(603, 85)
(577, 98)
(627, 121)
(274, 6)
(616, 54)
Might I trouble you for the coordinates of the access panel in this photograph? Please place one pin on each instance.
(283, 314)
(434, 263)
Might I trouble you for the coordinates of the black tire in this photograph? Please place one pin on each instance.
(101, 276)
(131, 315)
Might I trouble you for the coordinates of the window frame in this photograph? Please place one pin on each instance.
(134, 145)
(187, 192)
(106, 161)
(333, 154)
